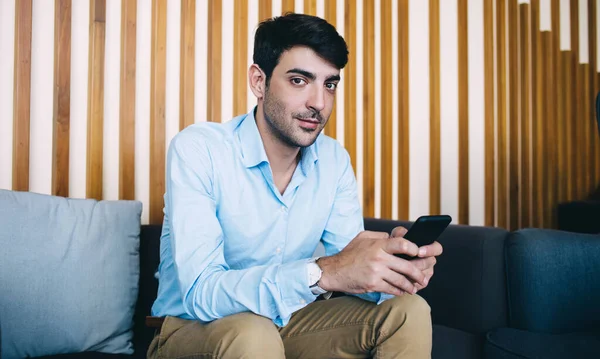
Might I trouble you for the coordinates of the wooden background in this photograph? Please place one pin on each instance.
(479, 109)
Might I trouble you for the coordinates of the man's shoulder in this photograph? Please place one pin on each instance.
(203, 136)
(331, 151)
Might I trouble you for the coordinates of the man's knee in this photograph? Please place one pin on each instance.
(409, 310)
(252, 335)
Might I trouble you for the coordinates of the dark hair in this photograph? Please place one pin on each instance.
(278, 34)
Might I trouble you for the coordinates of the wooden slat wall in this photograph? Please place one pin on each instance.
(127, 105)
(95, 126)
(157, 108)
(434, 108)
(369, 108)
(188, 60)
(527, 81)
(62, 98)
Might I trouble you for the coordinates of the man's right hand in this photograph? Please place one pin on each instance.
(368, 264)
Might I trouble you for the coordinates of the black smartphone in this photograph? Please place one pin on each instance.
(426, 230)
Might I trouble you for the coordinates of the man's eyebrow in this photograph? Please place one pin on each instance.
(333, 78)
(304, 73)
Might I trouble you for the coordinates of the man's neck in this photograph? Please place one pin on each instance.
(282, 157)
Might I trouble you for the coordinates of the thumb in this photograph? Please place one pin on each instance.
(398, 232)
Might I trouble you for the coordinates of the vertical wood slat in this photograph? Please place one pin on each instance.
(585, 128)
(213, 103)
(62, 98)
(127, 105)
(369, 109)
(524, 185)
(540, 129)
(567, 117)
(330, 16)
(240, 63)
(287, 6)
(576, 159)
(513, 117)
(22, 95)
(559, 100)
(592, 95)
(350, 88)
(310, 7)
(501, 124)
(403, 108)
(265, 10)
(95, 125)
(434, 108)
(463, 112)
(187, 67)
(549, 139)
(488, 58)
(536, 91)
(387, 179)
(157, 109)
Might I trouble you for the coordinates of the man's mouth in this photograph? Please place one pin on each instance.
(309, 123)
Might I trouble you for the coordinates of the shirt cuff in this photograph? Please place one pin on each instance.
(295, 293)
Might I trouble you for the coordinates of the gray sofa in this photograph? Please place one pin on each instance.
(527, 294)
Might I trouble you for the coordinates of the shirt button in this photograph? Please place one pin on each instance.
(302, 301)
(283, 209)
(278, 250)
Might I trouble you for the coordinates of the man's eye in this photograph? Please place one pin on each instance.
(297, 81)
(331, 86)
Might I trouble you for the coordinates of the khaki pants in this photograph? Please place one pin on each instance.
(344, 327)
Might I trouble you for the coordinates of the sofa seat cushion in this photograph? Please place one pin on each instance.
(450, 343)
(508, 343)
(69, 271)
(87, 355)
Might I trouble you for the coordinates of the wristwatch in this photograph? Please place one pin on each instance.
(314, 275)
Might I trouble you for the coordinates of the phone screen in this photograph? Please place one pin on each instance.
(426, 230)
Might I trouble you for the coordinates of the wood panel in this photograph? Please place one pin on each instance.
(586, 129)
(61, 116)
(434, 108)
(265, 10)
(95, 124)
(549, 138)
(536, 96)
(577, 160)
(403, 108)
(463, 112)
(513, 116)
(593, 91)
(213, 104)
(310, 7)
(524, 184)
(559, 100)
(157, 109)
(567, 117)
(350, 88)
(330, 16)
(489, 94)
(287, 6)
(187, 67)
(501, 116)
(240, 63)
(21, 96)
(127, 105)
(387, 119)
(369, 109)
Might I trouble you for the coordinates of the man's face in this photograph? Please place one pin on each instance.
(300, 96)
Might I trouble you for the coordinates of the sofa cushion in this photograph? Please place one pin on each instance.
(69, 274)
(509, 343)
(450, 343)
(552, 279)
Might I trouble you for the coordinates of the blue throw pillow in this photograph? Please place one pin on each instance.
(69, 273)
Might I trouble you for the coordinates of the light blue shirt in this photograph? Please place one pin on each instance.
(230, 241)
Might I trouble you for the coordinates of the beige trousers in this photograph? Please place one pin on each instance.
(344, 327)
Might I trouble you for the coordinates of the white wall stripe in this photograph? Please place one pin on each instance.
(110, 180)
(299, 6)
(476, 114)
(340, 103)
(7, 49)
(276, 8)
(42, 71)
(142, 106)
(201, 64)
(395, 109)
(565, 25)
(597, 36)
(377, 98)
(584, 44)
(80, 22)
(359, 99)
(321, 8)
(545, 15)
(172, 74)
(418, 57)
(227, 53)
(252, 25)
(449, 108)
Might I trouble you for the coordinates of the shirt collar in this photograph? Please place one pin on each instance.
(253, 149)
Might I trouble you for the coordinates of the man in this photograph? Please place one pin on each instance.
(247, 203)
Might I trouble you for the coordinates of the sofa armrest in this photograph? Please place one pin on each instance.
(468, 289)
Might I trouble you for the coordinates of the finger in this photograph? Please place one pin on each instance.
(401, 246)
(390, 289)
(399, 232)
(400, 282)
(374, 235)
(424, 263)
(407, 269)
(431, 250)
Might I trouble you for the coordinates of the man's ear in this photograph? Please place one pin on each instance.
(257, 80)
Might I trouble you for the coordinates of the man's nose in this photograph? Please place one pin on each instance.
(317, 99)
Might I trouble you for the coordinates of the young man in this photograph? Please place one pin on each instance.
(247, 203)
